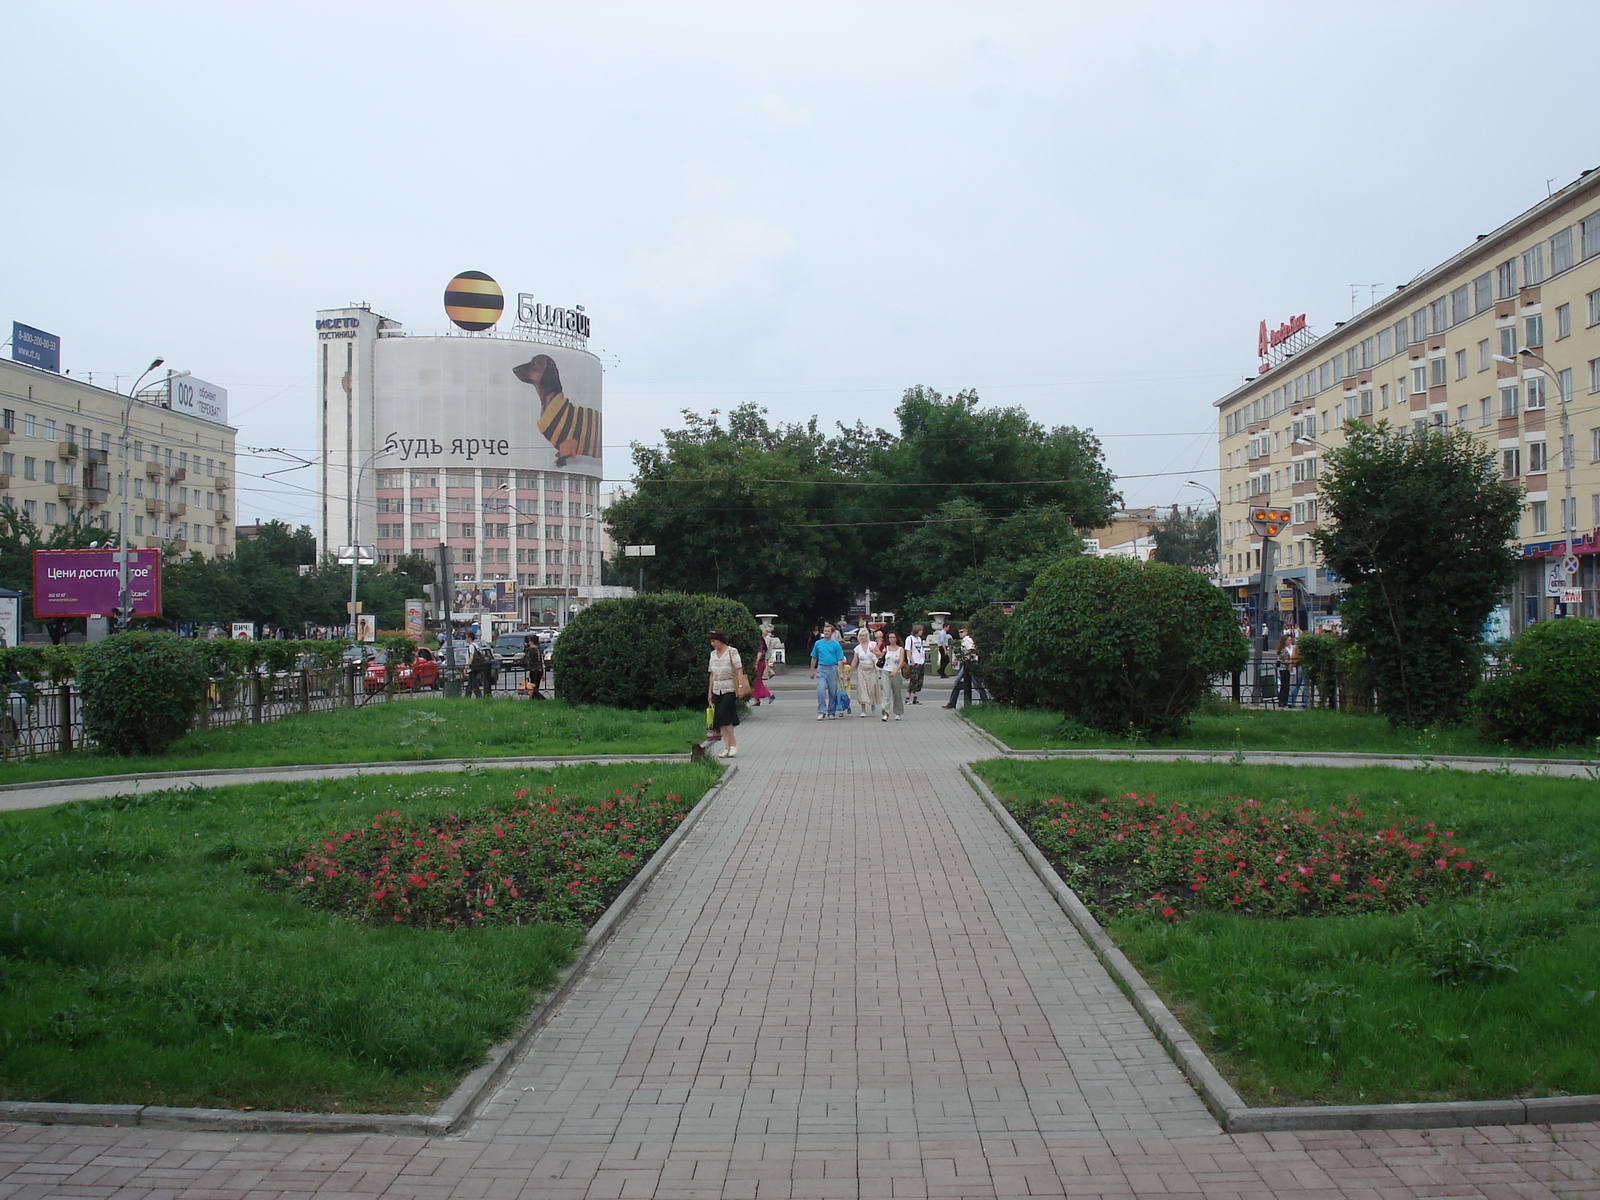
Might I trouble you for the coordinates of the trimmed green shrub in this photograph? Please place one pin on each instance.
(140, 691)
(1547, 692)
(1319, 664)
(649, 651)
(1122, 645)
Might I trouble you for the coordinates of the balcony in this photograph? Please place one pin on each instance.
(97, 495)
(5, 482)
(70, 492)
(223, 516)
(5, 437)
(220, 483)
(176, 508)
(155, 470)
(155, 507)
(177, 473)
(68, 450)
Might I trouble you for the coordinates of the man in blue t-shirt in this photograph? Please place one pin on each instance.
(826, 655)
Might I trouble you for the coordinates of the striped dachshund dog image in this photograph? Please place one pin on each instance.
(572, 430)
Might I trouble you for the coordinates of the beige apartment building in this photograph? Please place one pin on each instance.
(1443, 351)
(59, 440)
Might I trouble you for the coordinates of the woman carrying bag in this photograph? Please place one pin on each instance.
(864, 671)
(725, 687)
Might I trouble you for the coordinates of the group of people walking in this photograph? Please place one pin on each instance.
(880, 672)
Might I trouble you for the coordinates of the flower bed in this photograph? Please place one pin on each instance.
(1132, 853)
(556, 858)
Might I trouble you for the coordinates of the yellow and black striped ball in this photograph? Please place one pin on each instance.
(473, 301)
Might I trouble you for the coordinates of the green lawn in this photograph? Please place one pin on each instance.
(1256, 729)
(145, 956)
(1480, 998)
(379, 732)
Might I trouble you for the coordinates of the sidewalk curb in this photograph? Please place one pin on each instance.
(392, 766)
(1232, 1113)
(457, 1110)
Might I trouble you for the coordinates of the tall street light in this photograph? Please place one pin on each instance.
(124, 601)
(1569, 508)
(1218, 501)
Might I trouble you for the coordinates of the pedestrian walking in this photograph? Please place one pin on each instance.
(533, 664)
(967, 652)
(725, 686)
(477, 672)
(942, 638)
(758, 681)
(826, 654)
(864, 673)
(894, 675)
(916, 663)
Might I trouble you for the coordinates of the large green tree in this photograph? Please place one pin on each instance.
(1186, 539)
(1419, 526)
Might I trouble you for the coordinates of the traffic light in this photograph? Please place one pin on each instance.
(1268, 522)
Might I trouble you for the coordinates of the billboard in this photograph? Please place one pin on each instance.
(186, 394)
(486, 402)
(86, 583)
(35, 347)
(495, 597)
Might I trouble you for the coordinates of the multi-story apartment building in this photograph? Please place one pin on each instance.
(59, 440)
(1443, 351)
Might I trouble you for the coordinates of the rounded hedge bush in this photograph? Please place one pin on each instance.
(1006, 684)
(649, 651)
(140, 691)
(1547, 693)
(1120, 645)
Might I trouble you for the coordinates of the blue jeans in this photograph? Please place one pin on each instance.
(977, 682)
(827, 687)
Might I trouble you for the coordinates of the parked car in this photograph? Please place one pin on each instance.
(422, 673)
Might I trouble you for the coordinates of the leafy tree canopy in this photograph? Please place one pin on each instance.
(1186, 539)
(1419, 527)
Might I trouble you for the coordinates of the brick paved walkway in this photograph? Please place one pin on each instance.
(846, 984)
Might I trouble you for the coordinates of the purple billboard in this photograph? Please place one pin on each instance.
(86, 583)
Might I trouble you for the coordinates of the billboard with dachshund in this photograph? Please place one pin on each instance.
(486, 402)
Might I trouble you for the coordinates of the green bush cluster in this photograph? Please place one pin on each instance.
(1006, 684)
(39, 664)
(649, 651)
(140, 691)
(230, 656)
(1547, 690)
(1121, 645)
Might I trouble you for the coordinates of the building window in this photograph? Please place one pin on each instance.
(1594, 445)
(1461, 304)
(1510, 463)
(1482, 293)
(1461, 364)
(1383, 396)
(1484, 357)
(1564, 385)
(1419, 380)
(1594, 507)
(1505, 279)
(8, 419)
(1534, 385)
(1533, 266)
(1440, 322)
(49, 513)
(1538, 511)
(30, 467)
(1366, 402)
(1594, 307)
(1508, 341)
(1538, 458)
(29, 427)
(1461, 417)
(1563, 321)
(1436, 372)
(1561, 251)
(1533, 330)
(1385, 344)
(1419, 325)
(1508, 402)
(1486, 411)
(1591, 235)
(1402, 334)
(138, 526)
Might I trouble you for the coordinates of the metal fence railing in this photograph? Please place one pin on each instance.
(47, 718)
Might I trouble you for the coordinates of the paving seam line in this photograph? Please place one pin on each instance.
(1225, 1103)
(386, 766)
(455, 1113)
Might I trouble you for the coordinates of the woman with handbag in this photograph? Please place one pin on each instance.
(758, 685)
(725, 687)
(864, 670)
(893, 665)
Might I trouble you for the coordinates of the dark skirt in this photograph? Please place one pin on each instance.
(727, 709)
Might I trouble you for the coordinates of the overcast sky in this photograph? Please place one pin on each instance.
(1081, 209)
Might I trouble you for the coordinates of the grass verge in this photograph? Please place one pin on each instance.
(409, 729)
(1484, 997)
(144, 959)
(1227, 729)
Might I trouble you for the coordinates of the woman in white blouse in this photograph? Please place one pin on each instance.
(721, 695)
(864, 672)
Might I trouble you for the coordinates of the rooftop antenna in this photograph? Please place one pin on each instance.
(1548, 190)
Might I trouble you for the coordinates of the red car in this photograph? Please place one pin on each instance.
(423, 672)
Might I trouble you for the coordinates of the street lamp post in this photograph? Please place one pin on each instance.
(1217, 500)
(124, 599)
(1569, 508)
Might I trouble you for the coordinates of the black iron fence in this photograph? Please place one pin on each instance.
(47, 718)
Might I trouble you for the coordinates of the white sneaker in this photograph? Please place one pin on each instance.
(820, 716)
(733, 752)
(863, 714)
(897, 718)
(885, 717)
